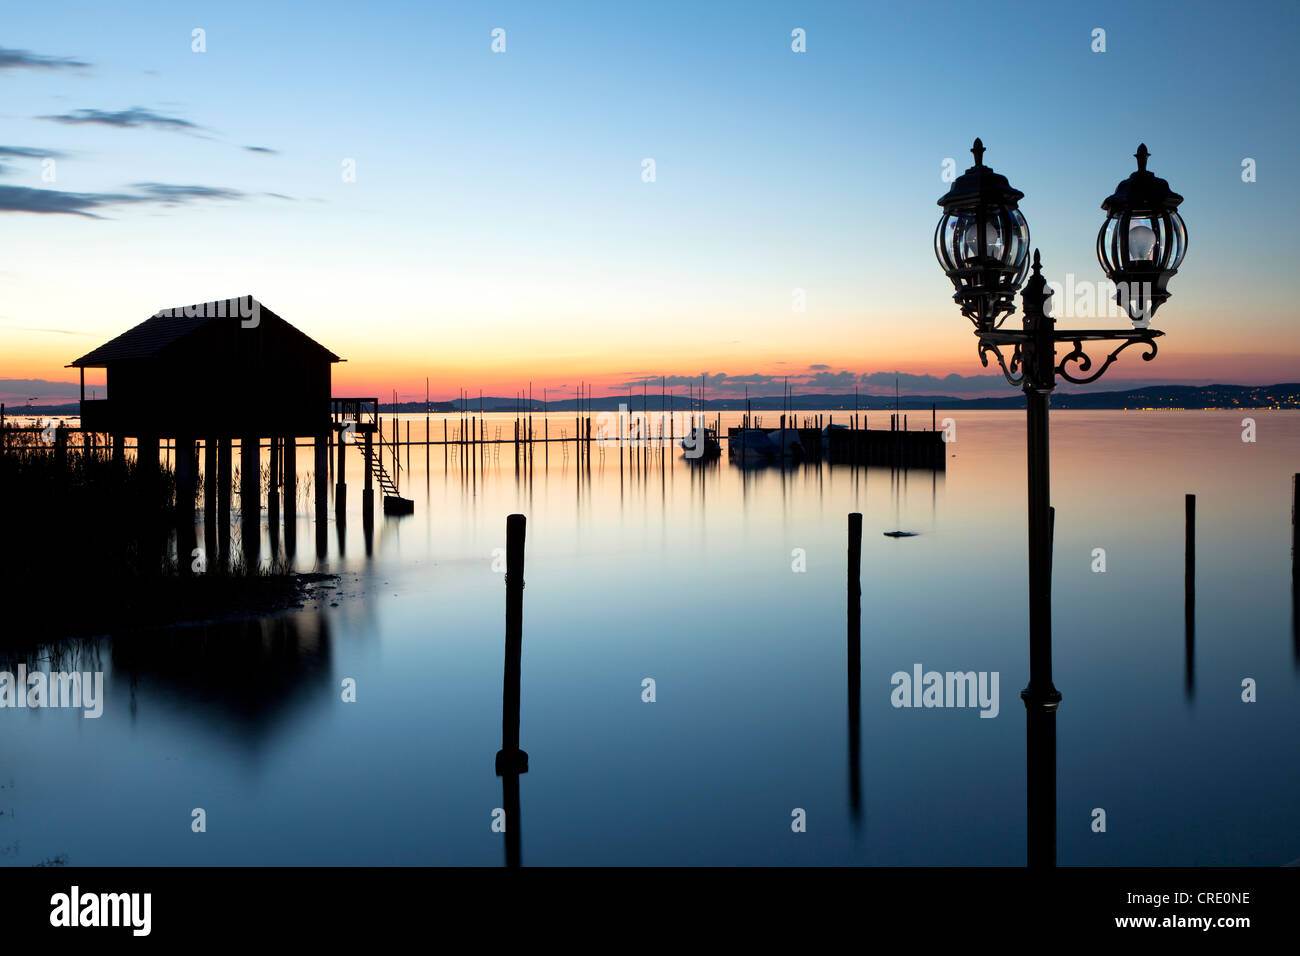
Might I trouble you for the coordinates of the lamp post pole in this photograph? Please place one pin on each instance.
(981, 242)
(1039, 380)
(1040, 696)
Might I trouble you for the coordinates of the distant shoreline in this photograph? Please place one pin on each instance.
(1184, 397)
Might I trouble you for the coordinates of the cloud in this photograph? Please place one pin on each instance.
(32, 328)
(280, 196)
(952, 384)
(172, 194)
(830, 380)
(26, 152)
(57, 202)
(262, 149)
(27, 60)
(819, 368)
(134, 118)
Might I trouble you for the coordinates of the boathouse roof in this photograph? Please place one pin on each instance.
(152, 337)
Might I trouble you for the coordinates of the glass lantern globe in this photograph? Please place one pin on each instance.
(1142, 242)
(982, 243)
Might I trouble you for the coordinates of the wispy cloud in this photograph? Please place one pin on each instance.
(27, 60)
(58, 202)
(32, 328)
(29, 153)
(171, 194)
(135, 118)
(262, 149)
(23, 152)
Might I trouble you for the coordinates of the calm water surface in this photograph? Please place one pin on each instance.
(684, 574)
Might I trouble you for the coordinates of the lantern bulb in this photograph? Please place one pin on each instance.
(1141, 242)
(992, 241)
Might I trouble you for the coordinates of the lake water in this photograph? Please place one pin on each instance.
(685, 574)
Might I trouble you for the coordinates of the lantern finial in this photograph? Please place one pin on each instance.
(1141, 156)
(978, 151)
(1038, 264)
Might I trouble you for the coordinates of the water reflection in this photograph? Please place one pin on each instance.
(652, 565)
(239, 679)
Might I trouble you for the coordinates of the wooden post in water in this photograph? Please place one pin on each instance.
(1295, 530)
(273, 483)
(368, 492)
(516, 525)
(210, 478)
(341, 486)
(250, 477)
(1189, 596)
(146, 454)
(290, 481)
(321, 448)
(511, 761)
(855, 664)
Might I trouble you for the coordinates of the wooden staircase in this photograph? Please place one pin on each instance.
(385, 481)
(394, 503)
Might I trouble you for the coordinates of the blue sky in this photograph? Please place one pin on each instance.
(499, 229)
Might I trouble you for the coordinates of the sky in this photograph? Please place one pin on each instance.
(500, 228)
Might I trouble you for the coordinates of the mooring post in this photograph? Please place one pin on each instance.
(250, 476)
(511, 759)
(290, 445)
(1189, 572)
(273, 483)
(321, 448)
(146, 454)
(855, 664)
(1189, 598)
(368, 493)
(1295, 530)
(210, 494)
(322, 465)
(186, 487)
(340, 470)
(186, 477)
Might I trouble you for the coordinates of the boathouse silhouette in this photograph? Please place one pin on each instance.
(230, 368)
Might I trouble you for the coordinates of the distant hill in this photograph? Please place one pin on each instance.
(1286, 395)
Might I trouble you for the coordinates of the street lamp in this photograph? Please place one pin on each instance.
(1142, 242)
(982, 242)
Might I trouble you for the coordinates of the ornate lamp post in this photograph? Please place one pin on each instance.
(982, 243)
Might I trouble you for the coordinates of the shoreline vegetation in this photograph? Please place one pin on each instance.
(90, 551)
